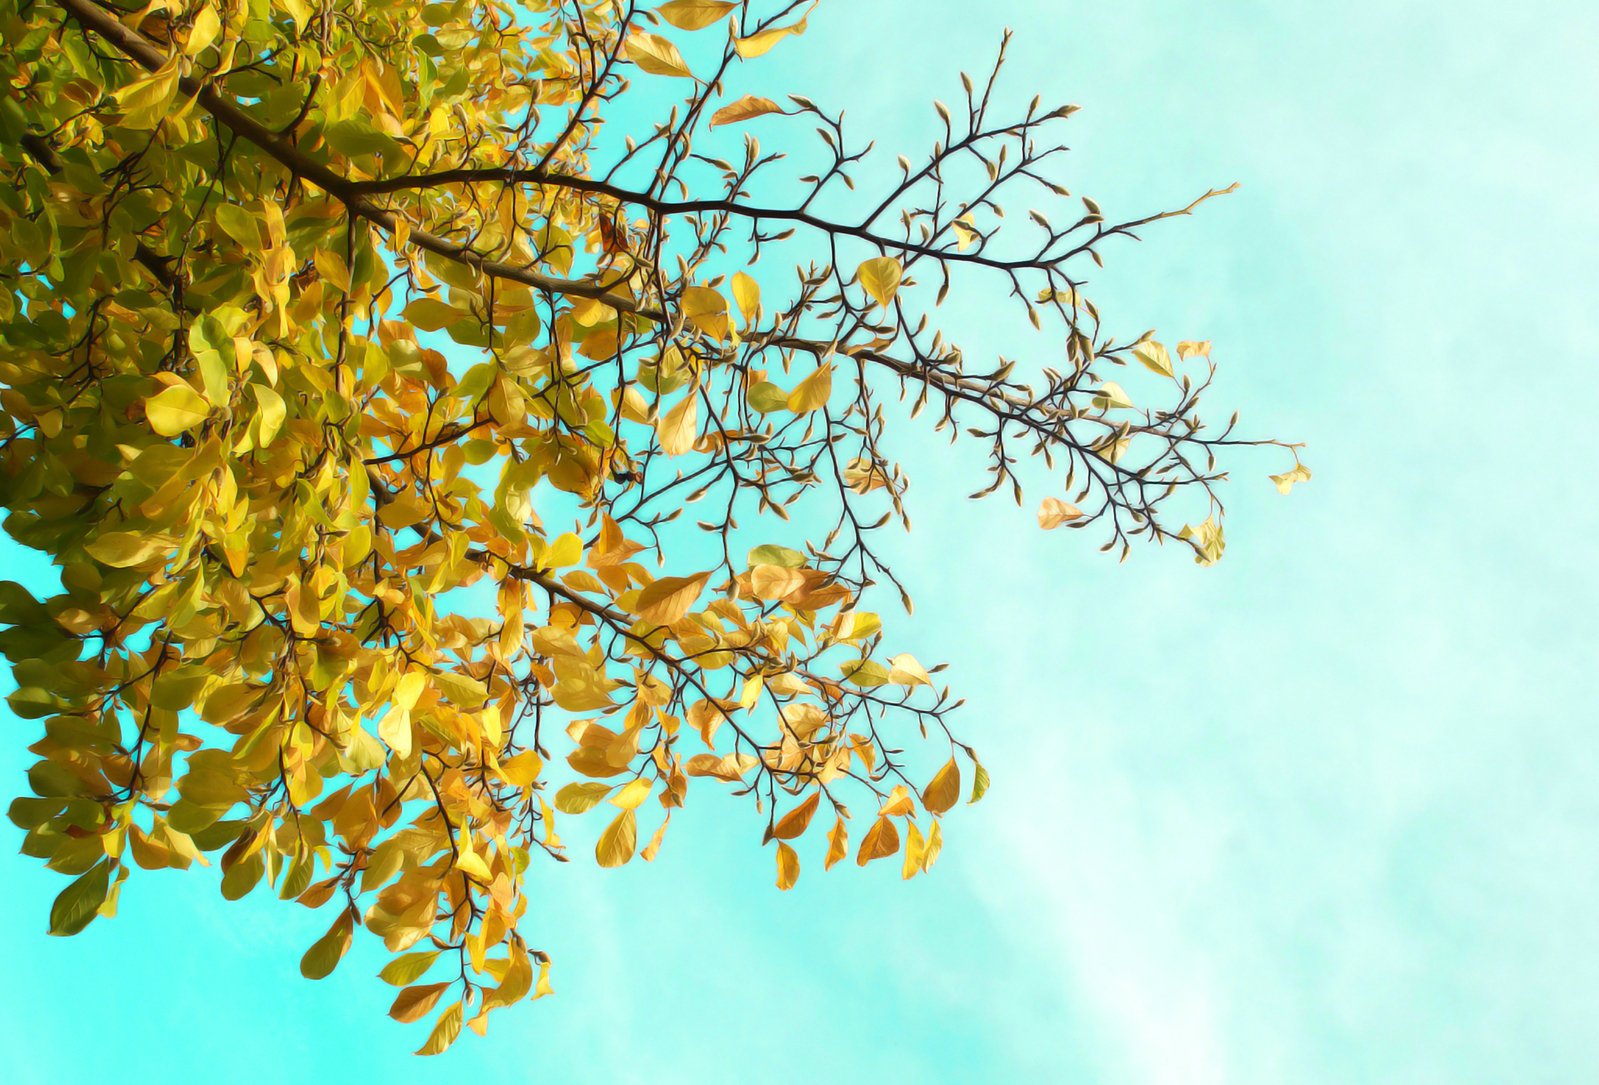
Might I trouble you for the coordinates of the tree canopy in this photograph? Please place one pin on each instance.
(449, 418)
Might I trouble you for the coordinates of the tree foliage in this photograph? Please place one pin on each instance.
(425, 461)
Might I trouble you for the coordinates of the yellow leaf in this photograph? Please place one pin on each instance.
(654, 54)
(579, 797)
(1154, 356)
(944, 789)
(1111, 396)
(445, 1030)
(934, 845)
(775, 582)
(965, 233)
(1188, 348)
(522, 769)
(470, 862)
(898, 803)
(794, 823)
(906, 670)
(760, 43)
(706, 309)
(409, 689)
(633, 795)
(881, 841)
(617, 842)
(915, 848)
(694, 14)
(668, 599)
(270, 414)
(205, 30)
(1286, 480)
(125, 549)
(1055, 512)
(747, 295)
(746, 108)
(395, 730)
(1207, 539)
(880, 277)
(175, 409)
(330, 265)
(146, 102)
(653, 848)
(812, 393)
(679, 427)
(837, 843)
(788, 866)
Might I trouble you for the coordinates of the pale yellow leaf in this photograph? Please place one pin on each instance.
(678, 427)
(1154, 356)
(1054, 512)
(1285, 481)
(656, 55)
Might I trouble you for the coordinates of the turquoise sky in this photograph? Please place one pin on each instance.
(1322, 814)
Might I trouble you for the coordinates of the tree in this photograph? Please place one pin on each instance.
(358, 382)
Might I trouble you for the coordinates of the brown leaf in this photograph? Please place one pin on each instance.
(413, 1003)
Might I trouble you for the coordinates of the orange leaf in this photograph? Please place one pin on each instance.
(944, 790)
(668, 599)
(787, 866)
(796, 821)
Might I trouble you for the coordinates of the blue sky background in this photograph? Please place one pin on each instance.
(1324, 813)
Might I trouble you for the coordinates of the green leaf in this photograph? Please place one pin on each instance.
(771, 554)
(326, 952)
(767, 397)
(979, 781)
(242, 226)
(243, 876)
(79, 902)
(145, 102)
(431, 314)
(353, 138)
